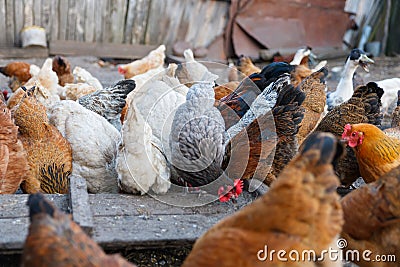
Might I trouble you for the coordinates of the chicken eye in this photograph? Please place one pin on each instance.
(353, 134)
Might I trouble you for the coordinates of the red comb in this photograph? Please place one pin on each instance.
(121, 70)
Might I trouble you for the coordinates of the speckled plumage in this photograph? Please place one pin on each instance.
(197, 137)
(109, 102)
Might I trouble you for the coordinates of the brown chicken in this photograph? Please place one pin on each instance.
(18, 72)
(235, 105)
(62, 67)
(13, 162)
(55, 240)
(372, 220)
(396, 113)
(225, 89)
(246, 66)
(49, 153)
(301, 211)
(314, 103)
(362, 107)
(299, 74)
(376, 152)
(270, 140)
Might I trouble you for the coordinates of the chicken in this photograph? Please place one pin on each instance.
(62, 67)
(145, 134)
(269, 140)
(288, 116)
(18, 72)
(344, 89)
(390, 88)
(94, 144)
(55, 240)
(235, 105)
(301, 211)
(46, 83)
(197, 142)
(83, 76)
(49, 154)
(372, 220)
(109, 102)
(246, 66)
(225, 89)
(362, 107)
(396, 113)
(13, 159)
(73, 91)
(314, 87)
(153, 60)
(192, 71)
(376, 152)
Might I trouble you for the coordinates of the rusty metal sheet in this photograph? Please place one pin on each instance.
(274, 32)
(244, 44)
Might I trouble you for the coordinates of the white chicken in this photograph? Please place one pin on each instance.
(145, 135)
(155, 59)
(94, 144)
(83, 76)
(46, 81)
(193, 71)
(389, 97)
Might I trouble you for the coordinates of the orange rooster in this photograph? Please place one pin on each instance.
(300, 212)
(55, 240)
(18, 72)
(376, 152)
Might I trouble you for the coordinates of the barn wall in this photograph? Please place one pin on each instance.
(116, 21)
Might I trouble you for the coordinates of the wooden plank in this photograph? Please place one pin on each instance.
(80, 21)
(145, 206)
(37, 12)
(118, 12)
(132, 231)
(154, 33)
(72, 48)
(107, 34)
(14, 206)
(79, 203)
(18, 21)
(71, 28)
(63, 20)
(130, 16)
(55, 20)
(47, 17)
(10, 22)
(141, 22)
(100, 5)
(90, 20)
(14, 219)
(3, 37)
(28, 52)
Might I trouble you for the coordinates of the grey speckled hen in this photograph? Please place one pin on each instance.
(109, 102)
(197, 138)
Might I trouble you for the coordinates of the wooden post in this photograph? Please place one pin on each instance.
(79, 203)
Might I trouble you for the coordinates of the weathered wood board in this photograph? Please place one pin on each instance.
(119, 221)
(116, 21)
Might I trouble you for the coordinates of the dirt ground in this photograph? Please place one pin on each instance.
(384, 67)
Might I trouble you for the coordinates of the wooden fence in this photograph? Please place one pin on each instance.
(116, 21)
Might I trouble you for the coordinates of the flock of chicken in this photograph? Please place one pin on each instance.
(175, 125)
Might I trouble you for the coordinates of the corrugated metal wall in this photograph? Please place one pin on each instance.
(117, 21)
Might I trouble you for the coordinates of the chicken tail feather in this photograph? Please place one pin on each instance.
(326, 143)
